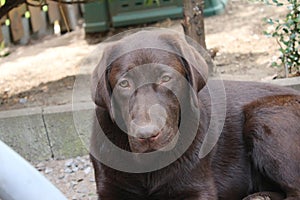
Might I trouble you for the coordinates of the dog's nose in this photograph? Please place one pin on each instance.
(148, 132)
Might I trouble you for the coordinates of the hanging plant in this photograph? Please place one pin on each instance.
(287, 34)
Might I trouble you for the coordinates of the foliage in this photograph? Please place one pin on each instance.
(287, 33)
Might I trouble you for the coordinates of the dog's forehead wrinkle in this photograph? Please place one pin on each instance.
(156, 61)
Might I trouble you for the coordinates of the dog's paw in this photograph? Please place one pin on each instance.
(265, 196)
(260, 198)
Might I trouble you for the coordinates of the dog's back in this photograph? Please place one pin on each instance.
(244, 160)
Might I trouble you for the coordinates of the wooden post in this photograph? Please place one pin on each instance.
(193, 23)
(16, 26)
(36, 18)
(54, 13)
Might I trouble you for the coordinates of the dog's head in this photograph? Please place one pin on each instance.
(142, 81)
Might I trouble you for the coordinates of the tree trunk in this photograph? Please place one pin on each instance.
(193, 23)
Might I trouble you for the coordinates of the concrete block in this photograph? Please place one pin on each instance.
(23, 130)
(64, 135)
(293, 82)
(83, 121)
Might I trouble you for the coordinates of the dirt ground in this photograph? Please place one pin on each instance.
(43, 73)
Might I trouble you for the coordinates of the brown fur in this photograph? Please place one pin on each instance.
(258, 150)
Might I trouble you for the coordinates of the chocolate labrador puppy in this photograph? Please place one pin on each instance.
(154, 111)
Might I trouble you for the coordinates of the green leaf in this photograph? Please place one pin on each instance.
(286, 43)
(270, 21)
(285, 30)
(290, 7)
(267, 33)
(277, 27)
(293, 36)
(287, 33)
(274, 64)
(267, 2)
(290, 22)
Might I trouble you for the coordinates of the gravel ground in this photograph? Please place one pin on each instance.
(74, 177)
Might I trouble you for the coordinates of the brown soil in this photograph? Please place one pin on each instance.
(42, 73)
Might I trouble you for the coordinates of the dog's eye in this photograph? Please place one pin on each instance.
(165, 78)
(124, 84)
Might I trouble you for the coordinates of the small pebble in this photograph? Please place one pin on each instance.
(40, 167)
(69, 163)
(73, 183)
(23, 101)
(68, 170)
(81, 167)
(87, 170)
(83, 189)
(74, 169)
(92, 180)
(48, 170)
(61, 176)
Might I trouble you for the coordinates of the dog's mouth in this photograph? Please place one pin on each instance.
(170, 142)
(149, 150)
(152, 129)
(164, 141)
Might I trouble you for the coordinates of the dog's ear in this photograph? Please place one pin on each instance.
(193, 57)
(101, 90)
